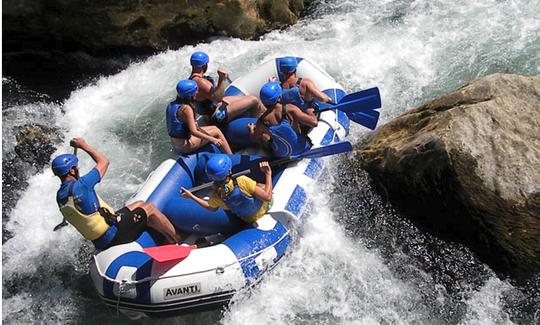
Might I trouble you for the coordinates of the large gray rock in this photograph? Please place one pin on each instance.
(138, 25)
(467, 165)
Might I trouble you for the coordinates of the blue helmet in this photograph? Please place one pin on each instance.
(270, 93)
(288, 64)
(218, 167)
(186, 88)
(63, 163)
(199, 59)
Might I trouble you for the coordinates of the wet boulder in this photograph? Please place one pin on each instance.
(120, 26)
(36, 143)
(467, 166)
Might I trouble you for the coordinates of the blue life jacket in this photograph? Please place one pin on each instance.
(285, 140)
(241, 204)
(175, 126)
(292, 96)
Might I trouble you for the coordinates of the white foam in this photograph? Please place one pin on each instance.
(412, 50)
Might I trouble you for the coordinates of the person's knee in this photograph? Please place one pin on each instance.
(253, 101)
(218, 133)
(150, 208)
(135, 205)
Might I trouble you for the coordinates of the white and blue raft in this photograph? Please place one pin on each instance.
(233, 254)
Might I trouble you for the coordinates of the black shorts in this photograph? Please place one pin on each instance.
(129, 224)
(220, 116)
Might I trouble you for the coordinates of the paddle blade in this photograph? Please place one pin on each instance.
(360, 101)
(371, 93)
(359, 105)
(168, 253)
(368, 119)
(328, 150)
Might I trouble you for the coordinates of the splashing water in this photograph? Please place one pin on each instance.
(356, 261)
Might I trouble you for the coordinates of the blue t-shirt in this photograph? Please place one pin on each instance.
(84, 195)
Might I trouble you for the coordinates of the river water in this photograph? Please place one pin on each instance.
(356, 260)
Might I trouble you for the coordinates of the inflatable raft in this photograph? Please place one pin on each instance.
(235, 255)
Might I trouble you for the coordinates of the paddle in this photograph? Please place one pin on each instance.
(368, 119)
(64, 222)
(359, 107)
(168, 253)
(328, 150)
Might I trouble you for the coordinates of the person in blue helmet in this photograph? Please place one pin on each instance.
(274, 129)
(298, 91)
(242, 195)
(209, 100)
(83, 208)
(186, 135)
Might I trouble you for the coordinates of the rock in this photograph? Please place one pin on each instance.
(119, 26)
(467, 166)
(36, 143)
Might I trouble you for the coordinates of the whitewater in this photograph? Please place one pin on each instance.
(355, 260)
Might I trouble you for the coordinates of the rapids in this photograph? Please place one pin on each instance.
(356, 260)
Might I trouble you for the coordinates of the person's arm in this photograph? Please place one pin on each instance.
(186, 114)
(207, 89)
(265, 193)
(188, 195)
(301, 117)
(217, 92)
(259, 133)
(102, 163)
(309, 87)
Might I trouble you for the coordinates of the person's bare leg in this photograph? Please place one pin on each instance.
(238, 105)
(216, 133)
(194, 143)
(158, 221)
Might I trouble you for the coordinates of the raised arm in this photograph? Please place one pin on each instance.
(217, 92)
(265, 193)
(102, 163)
(207, 89)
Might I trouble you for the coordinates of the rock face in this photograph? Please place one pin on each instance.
(35, 145)
(146, 25)
(467, 166)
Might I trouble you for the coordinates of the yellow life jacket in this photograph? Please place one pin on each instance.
(91, 226)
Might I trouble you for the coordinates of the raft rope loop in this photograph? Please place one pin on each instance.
(120, 287)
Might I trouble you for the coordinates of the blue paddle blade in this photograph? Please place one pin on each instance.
(361, 101)
(368, 119)
(372, 95)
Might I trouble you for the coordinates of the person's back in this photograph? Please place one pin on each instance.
(80, 204)
(274, 127)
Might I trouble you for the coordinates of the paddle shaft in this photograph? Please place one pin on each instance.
(331, 149)
(242, 173)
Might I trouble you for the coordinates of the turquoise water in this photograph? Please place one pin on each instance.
(339, 271)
